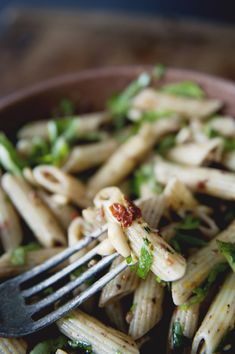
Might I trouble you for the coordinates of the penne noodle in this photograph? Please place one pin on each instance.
(105, 248)
(81, 124)
(10, 229)
(64, 213)
(228, 160)
(56, 181)
(59, 351)
(225, 125)
(33, 258)
(152, 209)
(129, 155)
(86, 156)
(147, 307)
(13, 346)
(219, 319)
(197, 154)
(199, 266)
(114, 311)
(123, 284)
(151, 100)
(167, 263)
(188, 322)
(103, 339)
(204, 180)
(117, 238)
(32, 209)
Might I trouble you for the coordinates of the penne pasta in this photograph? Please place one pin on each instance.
(86, 156)
(33, 258)
(187, 320)
(197, 154)
(225, 125)
(36, 214)
(218, 320)
(10, 229)
(167, 264)
(129, 155)
(56, 181)
(12, 346)
(204, 180)
(59, 351)
(199, 265)
(151, 100)
(103, 339)
(123, 284)
(147, 308)
(114, 311)
(228, 160)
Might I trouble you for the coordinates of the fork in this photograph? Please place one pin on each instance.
(19, 318)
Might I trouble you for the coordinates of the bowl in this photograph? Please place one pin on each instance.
(90, 89)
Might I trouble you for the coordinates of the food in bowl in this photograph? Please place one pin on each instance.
(157, 167)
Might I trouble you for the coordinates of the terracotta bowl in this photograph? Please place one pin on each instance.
(90, 89)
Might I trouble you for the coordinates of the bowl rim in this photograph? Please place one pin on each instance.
(88, 74)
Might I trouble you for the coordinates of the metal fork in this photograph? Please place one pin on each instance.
(19, 318)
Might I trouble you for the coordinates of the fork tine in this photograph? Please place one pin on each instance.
(60, 293)
(73, 303)
(59, 275)
(59, 258)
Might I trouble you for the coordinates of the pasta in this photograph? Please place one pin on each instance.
(154, 174)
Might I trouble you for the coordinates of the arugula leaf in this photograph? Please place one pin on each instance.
(159, 71)
(49, 346)
(9, 158)
(145, 175)
(178, 338)
(200, 293)
(166, 144)
(145, 260)
(227, 249)
(81, 345)
(184, 88)
(18, 255)
(120, 104)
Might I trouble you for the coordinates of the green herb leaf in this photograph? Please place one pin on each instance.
(60, 151)
(184, 88)
(120, 104)
(189, 223)
(9, 158)
(49, 346)
(200, 293)
(159, 71)
(227, 249)
(145, 175)
(18, 255)
(145, 260)
(178, 338)
(166, 144)
(81, 345)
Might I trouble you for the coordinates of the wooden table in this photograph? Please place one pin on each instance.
(36, 45)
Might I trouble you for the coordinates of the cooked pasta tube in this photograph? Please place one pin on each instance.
(146, 310)
(199, 265)
(81, 124)
(167, 264)
(123, 284)
(197, 154)
(150, 100)
(129, 154)
(225, 125)
(114, 311)
(12, 346)
(64, 213)
(10, 228)
(152, 209)
(36, 214)
(57, 181)
(32, 258)
(228, 160)
(83, 157)
(103, 339)
(186, 321)
(200, 179)
(59, 351)
(219, 319)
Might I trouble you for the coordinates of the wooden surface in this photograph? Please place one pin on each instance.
(36, 45)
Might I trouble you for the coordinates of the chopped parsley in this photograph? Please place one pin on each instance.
(145, 260)
(227, 249)
(145, 175)
(18, 255)
(78, 344)
(178, 338)
(159, 71)
(165, 144)
(184, 88)
(228, 143)
(9, 158)
(200, 293)
(49, 346)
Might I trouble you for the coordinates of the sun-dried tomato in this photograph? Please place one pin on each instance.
(125, 215)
